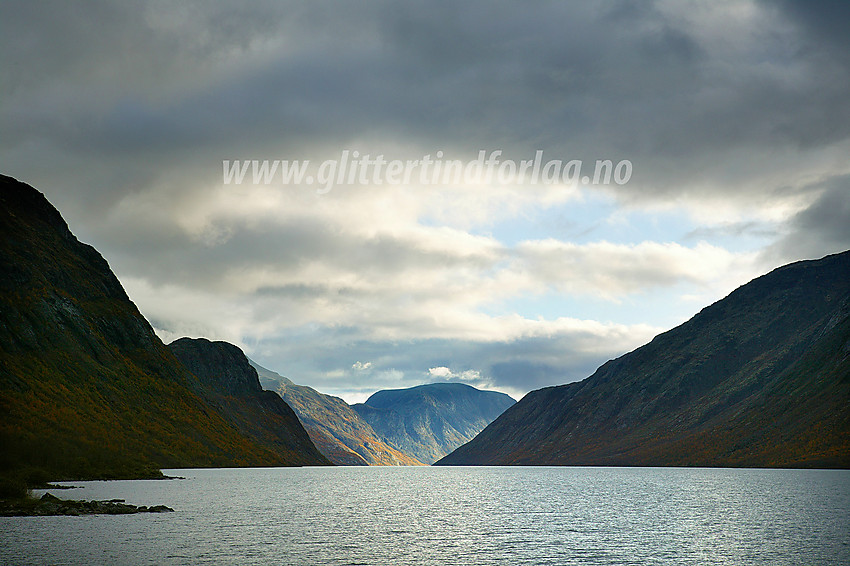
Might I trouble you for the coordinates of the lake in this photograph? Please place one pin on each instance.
(469, 516)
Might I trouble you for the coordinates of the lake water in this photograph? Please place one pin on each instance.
(457, 516)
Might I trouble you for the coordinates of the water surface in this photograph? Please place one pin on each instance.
(420, 515)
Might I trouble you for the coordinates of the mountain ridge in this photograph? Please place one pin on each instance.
(759, 378)
(87, 389)
(335, 428)
(428, 421)
(233, 385)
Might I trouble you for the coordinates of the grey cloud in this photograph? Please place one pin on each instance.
(520, 365)
(173, 256)
(825, 22)
(820, 229)
(732, 230)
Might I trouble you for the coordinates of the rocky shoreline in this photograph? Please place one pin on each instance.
(49, 505)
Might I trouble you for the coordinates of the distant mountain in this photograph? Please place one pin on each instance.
(334, 427)
(86, 387)
(232, 384)
(429, 421)
(758, 379)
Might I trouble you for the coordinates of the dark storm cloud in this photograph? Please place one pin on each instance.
(824, 20)
(92, 81)
(615, 79)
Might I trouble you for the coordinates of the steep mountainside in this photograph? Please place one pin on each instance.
(429, 421)
(336, 430)
(86, 387)
(760, 378)
(231, 384)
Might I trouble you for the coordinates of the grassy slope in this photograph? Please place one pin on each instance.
(336, 429)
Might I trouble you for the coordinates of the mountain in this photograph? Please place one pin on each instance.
(758, 379)
(429, 421)
(86, 387)
(232, 385)
(336, 430)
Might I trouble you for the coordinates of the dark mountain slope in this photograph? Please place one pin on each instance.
(86, 387)
(232, 386)
(429, 421)
(760, 378)
(336, 430)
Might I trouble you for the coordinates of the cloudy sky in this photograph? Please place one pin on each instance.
(734, 116)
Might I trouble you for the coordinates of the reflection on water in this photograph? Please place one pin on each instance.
(453, 516)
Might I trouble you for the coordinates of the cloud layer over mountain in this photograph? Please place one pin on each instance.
(734, 115)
